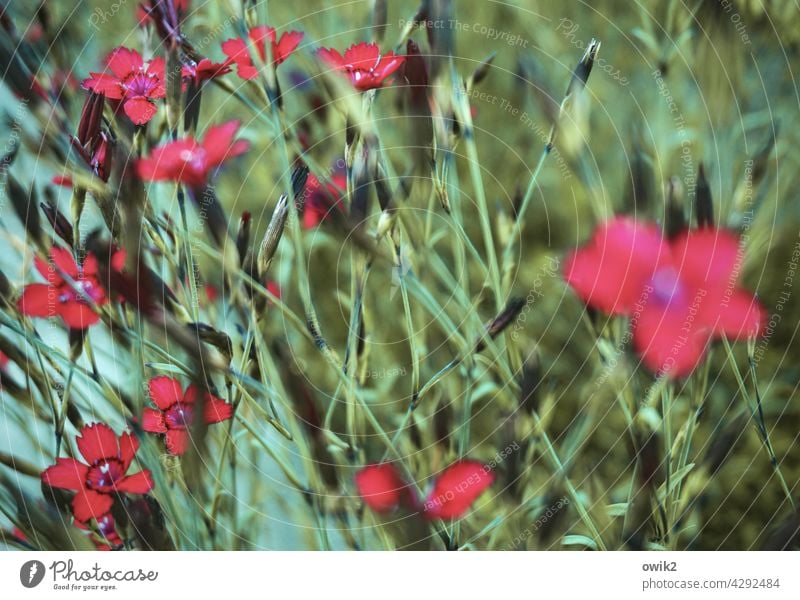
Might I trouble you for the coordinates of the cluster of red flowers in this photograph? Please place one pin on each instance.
(383, 489)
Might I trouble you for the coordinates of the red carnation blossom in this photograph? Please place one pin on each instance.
(237, 49)
(363, 63)
(380, 486)
(383, 489)
(680, 293)
(204, 70)
(131, 83)
(189, 161)
(176, 410)
(321, 200)
(106, 537)
(108, 458)
(59, 297)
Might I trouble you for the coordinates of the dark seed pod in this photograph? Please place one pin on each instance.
(704, 205)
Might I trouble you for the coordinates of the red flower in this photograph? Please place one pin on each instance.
(680, 293)
(237, 49)
(363, 64)
(131, 82)
(189, 161)
(380, 486)
(320, 201)
(175, 411)
(204, 70)
(106, 537)
(108, 459)
(383, 489)
(58, 297)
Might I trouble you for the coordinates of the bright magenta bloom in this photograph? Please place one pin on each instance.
(189, 161)
(238, 51)
(97, 482)
(58, 297)
(175, 410)
(131, 83)
(363, 63)
(679, 293)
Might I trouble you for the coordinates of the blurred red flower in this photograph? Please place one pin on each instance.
(237, 49)
(108, 458)
(59, 297)
(204, 70)
(106, 538)
(321, 199)
(189, 161)
(459, 485)
(131, 82)
(363, 63)
(679, 293)
(175, 411)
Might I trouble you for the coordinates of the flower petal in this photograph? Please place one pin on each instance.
(216, 410)
(138, 483)
(123, 61)
(741, 317)
(217, 141)
(670, 341)
(165, 391)
(177, 441)
(128, 445)
(288, 43)
(62, 259)
(88, 504)
(153, 421)
(77, 315)
(105, 84)
(96, 442)
(456, 489)
(139, 109)
(380, 487)
(38, 300)
(707, 257)
(66, 474)
(611, 271)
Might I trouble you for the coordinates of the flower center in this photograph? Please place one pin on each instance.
(667, 286)
(89, 288)
(140, 84)
(104, 474)
(194, 158)
(179, 416)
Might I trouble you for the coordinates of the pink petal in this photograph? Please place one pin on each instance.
(123, 61)
(380, 487)
(105, 84)
(740, 316)
(707, 257)
(669, 341)
(139, 109)
(456, 489)
(611, 271)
